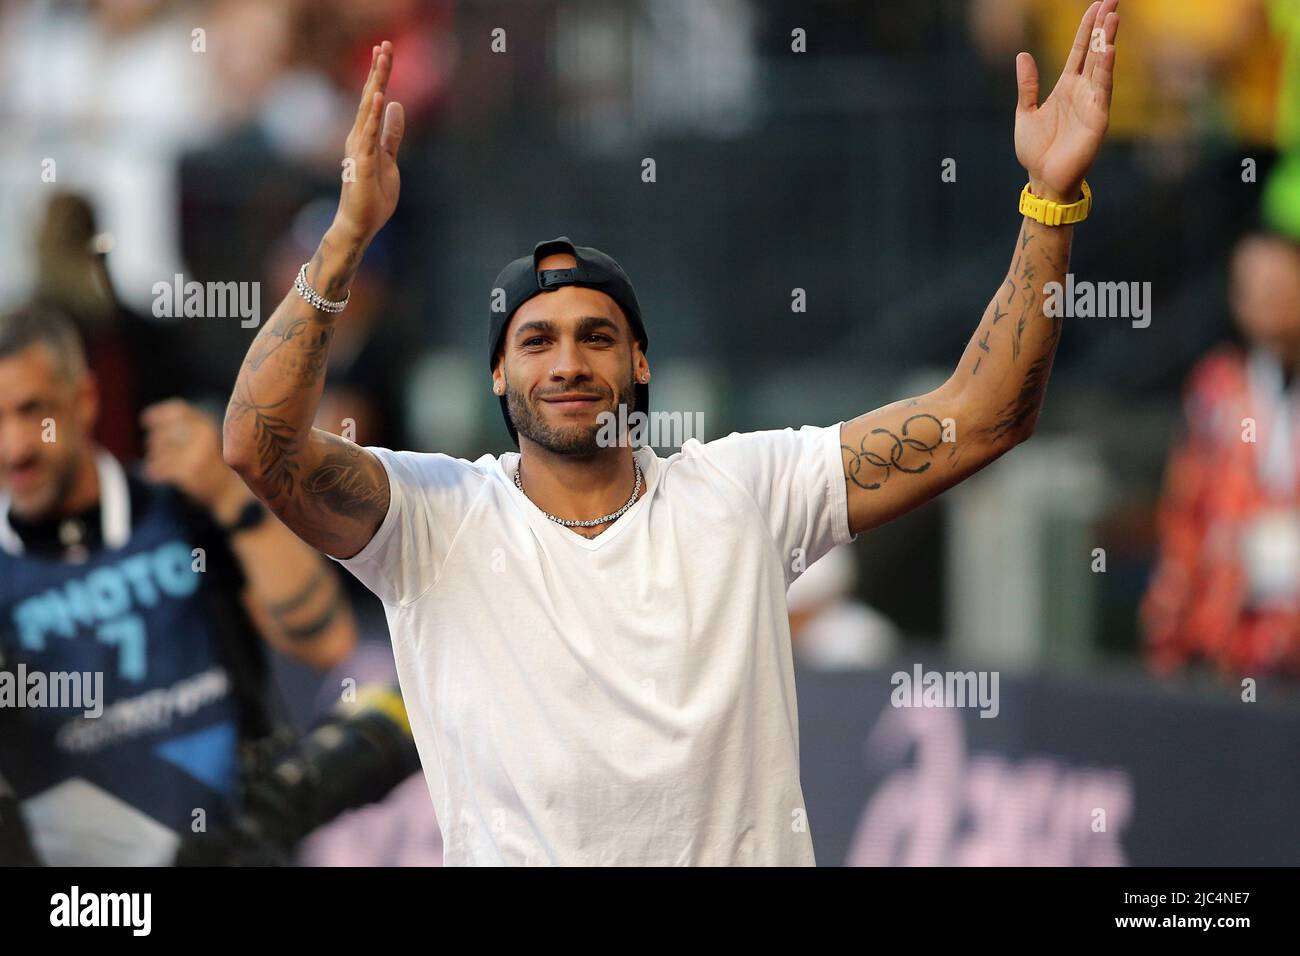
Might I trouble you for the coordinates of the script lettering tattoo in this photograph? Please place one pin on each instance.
(870, 467)
(345, 486)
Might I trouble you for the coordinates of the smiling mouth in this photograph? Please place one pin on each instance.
(575, 402)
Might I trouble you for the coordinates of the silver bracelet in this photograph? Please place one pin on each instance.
(314, 298)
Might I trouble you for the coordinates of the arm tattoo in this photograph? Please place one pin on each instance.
(281, 331)
(345, 486)
(282, 611)
(304, 361)
(337, 288)
(305, 364)
(1056, 265)
(276, 441)
(869, 468)
(1020, 328)
(1030, 398)
(302, 633)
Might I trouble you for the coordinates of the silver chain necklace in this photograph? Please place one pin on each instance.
(573, 523)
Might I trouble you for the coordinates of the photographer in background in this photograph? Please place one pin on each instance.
(165, 583)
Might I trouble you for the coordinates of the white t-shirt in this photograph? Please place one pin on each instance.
(622, 700)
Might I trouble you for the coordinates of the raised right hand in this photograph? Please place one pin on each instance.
(371, 182)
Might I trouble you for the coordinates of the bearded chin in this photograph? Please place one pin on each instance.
(576, 439)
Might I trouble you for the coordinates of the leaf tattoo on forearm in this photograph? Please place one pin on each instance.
(275, 438)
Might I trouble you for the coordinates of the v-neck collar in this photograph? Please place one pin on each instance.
(645, 456)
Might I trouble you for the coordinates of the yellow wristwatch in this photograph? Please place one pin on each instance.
(1051, 213)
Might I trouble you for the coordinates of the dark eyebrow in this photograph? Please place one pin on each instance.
(586, 325)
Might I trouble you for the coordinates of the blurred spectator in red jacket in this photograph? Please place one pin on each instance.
(1226, 588)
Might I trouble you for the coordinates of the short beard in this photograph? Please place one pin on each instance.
(574, 440)
(49, 501)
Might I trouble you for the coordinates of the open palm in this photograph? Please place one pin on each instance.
(371, 181)
(1058, 141)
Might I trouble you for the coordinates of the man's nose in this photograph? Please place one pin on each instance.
(570, 361)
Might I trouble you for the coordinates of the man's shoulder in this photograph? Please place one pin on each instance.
(758, 442)
(434, 462)
(749, 459)
(438, 474)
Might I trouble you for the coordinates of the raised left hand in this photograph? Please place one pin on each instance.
(183, 448)
(1058, 141)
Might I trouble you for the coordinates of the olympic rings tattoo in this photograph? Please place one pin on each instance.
(862, 456)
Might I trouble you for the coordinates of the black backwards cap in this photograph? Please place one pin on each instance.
(521, 280)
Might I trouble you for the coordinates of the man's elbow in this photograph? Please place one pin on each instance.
(238, 453)
(1005, 439)
(1025, 432)
(1021, 424)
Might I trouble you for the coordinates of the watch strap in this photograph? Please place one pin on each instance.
(1052, 213)
(250, 516)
